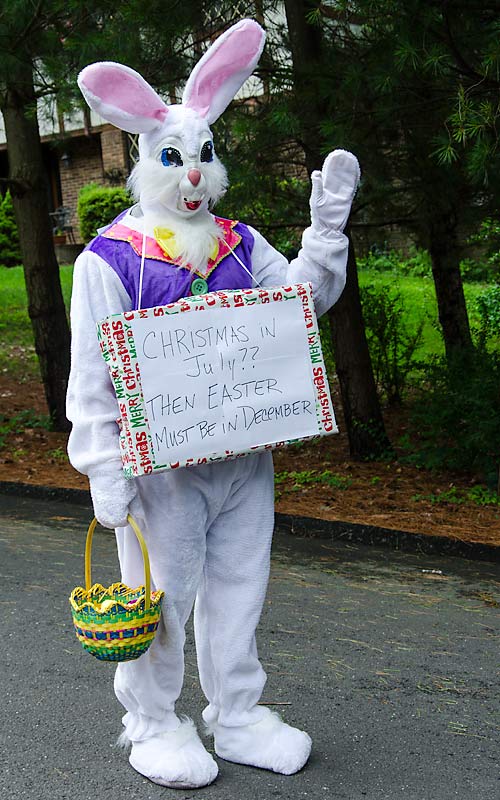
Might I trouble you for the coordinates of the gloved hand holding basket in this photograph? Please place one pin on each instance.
(116, 623)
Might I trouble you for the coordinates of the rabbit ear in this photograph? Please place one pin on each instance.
(223, 69)
(122, 96)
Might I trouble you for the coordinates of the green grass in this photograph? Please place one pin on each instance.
(308, 477)
(419, 299)
(478, 495)
(19, 422)
(17, 354)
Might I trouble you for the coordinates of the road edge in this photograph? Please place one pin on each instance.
(305, 527)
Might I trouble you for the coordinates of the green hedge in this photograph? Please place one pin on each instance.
(98, 206)
(10, 253)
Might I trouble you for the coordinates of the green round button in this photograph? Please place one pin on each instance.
(199, 286)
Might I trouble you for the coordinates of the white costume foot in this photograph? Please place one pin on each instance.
(269, 744)
(176, 759)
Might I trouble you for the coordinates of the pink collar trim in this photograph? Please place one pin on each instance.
(123, 233)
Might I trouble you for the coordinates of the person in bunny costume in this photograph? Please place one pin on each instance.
(208, 528)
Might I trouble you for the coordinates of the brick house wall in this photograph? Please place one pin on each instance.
(100, 158)
(114, 154)
(81, 163)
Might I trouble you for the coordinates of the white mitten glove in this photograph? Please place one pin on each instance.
(332, 193)
(112, 493)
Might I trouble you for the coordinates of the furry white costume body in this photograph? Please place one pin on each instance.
(208, 528)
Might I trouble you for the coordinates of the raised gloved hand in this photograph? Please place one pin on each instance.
(112, 494)
(332, 193)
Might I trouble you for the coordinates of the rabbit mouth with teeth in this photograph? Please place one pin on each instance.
(177, 181)
(178, 178)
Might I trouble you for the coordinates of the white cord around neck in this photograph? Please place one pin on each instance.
(143, 256)
(240, 262)
(141, 274)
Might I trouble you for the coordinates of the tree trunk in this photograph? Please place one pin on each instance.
(305, 46)
(362, 414)
(41, 271)
(444, 251)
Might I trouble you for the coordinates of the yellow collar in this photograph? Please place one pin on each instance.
(122, 233)
(165, 238)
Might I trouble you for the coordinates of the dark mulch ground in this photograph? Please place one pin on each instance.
(388, 494)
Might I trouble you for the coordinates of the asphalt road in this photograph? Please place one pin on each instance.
(392, 669)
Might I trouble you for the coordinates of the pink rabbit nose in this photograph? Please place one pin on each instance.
(194, 176)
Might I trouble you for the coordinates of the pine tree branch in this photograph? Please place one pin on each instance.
(460, 59)
(21, 38)
(341, 15)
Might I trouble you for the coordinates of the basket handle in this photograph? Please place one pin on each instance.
(145, 556)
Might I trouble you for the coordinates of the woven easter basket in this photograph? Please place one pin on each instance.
(115, 623)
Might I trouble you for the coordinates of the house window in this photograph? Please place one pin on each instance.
(133, 149)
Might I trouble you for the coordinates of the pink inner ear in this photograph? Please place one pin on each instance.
(233, 56)
(119, 88)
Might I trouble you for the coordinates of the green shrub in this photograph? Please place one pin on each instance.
(416, 264)
(98, 206)
(488, 236)
(473, 271)
(457, 418)
(379, 260)
(392, 345)
(273, 205)
(488, 311)
(10, 253)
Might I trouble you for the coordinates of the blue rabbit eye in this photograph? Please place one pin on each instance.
(207, 152)
(170, 157)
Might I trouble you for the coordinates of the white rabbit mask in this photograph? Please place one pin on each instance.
(178, 176)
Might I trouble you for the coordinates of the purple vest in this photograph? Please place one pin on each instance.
(163, 281)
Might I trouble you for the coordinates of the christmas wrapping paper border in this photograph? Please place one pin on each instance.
(116, 341)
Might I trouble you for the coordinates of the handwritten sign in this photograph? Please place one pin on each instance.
(245, 375)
